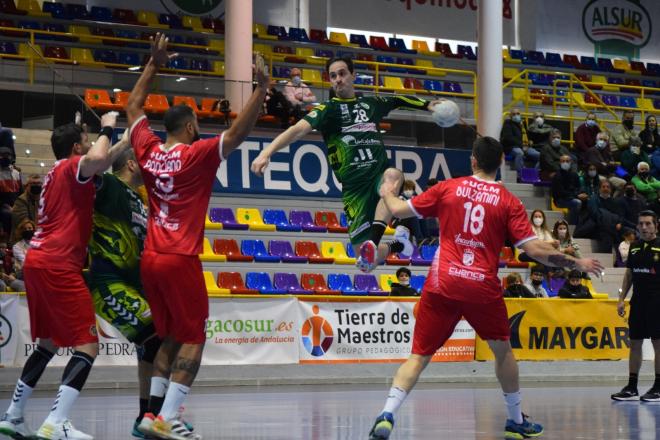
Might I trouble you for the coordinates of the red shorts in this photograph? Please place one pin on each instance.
(175, 289)
(437, 316)
(60, 305)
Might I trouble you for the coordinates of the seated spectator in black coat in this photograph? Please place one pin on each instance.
(515, 287)
(277, 105)
(514, 140)
(573, 288)
(650, 136)
(551, 151)
(566, 189)
(402, 287)
(631, 203)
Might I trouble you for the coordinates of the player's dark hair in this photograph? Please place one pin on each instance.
(649, 213)
(63, 138)
(487, 151)
(347, 60)
(122, 159)
(176, 117)
(403, 270)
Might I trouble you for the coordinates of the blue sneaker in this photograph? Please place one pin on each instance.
(526, 429)
(382, 427)
(136, 433)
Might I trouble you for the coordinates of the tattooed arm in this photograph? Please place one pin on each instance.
(548, 255)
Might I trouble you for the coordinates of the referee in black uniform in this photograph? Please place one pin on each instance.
(644, 321)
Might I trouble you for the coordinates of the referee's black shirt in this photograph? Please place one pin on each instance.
(644, 262)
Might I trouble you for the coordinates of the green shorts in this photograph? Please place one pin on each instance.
(121, 304)
(360, 203)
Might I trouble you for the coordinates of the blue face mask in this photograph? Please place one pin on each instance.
(590, 122)
(516, 118)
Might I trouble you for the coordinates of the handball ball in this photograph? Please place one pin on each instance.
(446, 113)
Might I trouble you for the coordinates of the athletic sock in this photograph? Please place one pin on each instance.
(73, 379)
(377, 230)
(656, 384)
(395, 247)
(513, 406)
(66, 396)
(157, 394)
(176, 395)
(632, 380)
(19, 399)
(144, 407)
(395, 398)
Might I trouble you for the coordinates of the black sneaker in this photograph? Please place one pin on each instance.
(651, 395)
(626, 394)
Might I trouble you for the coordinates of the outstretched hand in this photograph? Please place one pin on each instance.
(388, 188)
(590, 265)
(261, 75)
(109, 119)
(159, 54)
(259, 164)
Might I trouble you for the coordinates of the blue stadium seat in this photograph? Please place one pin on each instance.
(533, 57)
(553, 59)
(8, 47)
(179, 63)
(453, 87)
(427, 251)
(278, 218)
(589, 63)
(49, 7)
(417, 282)
(298, 34)
(343, 221)
(360, 40)
(76, 11)
(57, 10)
(605, 65)
(400, 46)
(99, 13)
(342, 282)
(325, 53)
(627, 101)
(466, 52)
(129, 58)
(611, 100)
(433, 85)
(278, 31)
(171, 20)
(516, 54)
(200, 64)
(105, 56)
(257, 249)
(261, 282)
(653, 69)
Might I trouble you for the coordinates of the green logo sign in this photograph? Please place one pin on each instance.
(213, 8)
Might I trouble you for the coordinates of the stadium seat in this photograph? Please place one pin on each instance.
(212, 288)
(359, 40)
(644, 104)
(340, 38)
(397, 44)
(417, 282)
(369, 283)
(172, 21)
(8, 7)
(572, 60)
(506, 55)
(150, 19)
(83, 34)
(261, 281)
(653, 69)
(229, 248)
(105, 56)
(319, 36)
(100, 13)
(417, 260)
(194, 23)
(7, 47)
(466, 52)
(56, 53)
(126, 16)
(386, 280)
(201, 65)
(156, 104)
(445, 50)
(588, 63)
(298, 34)
(627, 101)
(26, 52)
(553, 59)
(310, 250)
(529, 175)
(638, 66)
(208, 224)
(376, 43)
(129, 58)
(252, 218)
(289, 282)
(611, 100)
(260, 31)
(257, 250)
(234, 282)
(413, 84)
(208, 254)
(656, 103)
(100, 99)
(330, 221)
(311, 76)
(316, 283)
(304, 220)
(279, 32)
(396, 260)
(432, 85)
(423, 47)
(612, 80)
(190, 102)
(624, 65)
(214, 25)
(82, 56)
(283, 249)
(393, 83)
(277, 217)
(631, 82)
(219, 67)
(342, 283)
(334, 249)
(32, 7)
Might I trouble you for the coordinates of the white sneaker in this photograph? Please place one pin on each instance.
(173, 430)
(402, 235)
(15, 427)
(61, 431)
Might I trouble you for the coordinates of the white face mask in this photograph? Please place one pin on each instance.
(634, 150)
(600, 143)
(537, 221)
(295, 80)
(590, 122)
(404, 282)
(408, 193)
(561, 233)
(555, 142)
(593, 173)
(539, 121)
(565, 166)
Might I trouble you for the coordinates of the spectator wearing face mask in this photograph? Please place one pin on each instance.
(589, 181)
(565, 243)
(402, 286)
(565, 189)
(622, 134)
(631, 203)
(585, 136)
(513, 137)
(538, 131)
(550, 154)
(601, 158)
(412, 223)
(535, 282)
(602, 220)
(10, 187)
(633, 155)
(515, 287)
(573, 288)
(298, 94)
(26, 205)
(22, 236)
(647, 185)
(650, 136)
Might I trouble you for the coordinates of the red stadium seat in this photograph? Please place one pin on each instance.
(229, 247)
(329, 220)
(311, 250)
(234, 282)
(316, 283)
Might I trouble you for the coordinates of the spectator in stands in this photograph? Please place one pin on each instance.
(650, 136)
(22, 235)
(514, 140)
(223, 106)
(7, 140)
(7, 275)
(10, 187)
(573, 288)
(566, 189)
(407, 193)
(550, 154)
(540, 228)
(631, 203)
(628, 237)
(562, 236)
(26, 205)
(602, 220)
(647, 185)
(298, 94)
(277, 105)
(585, 136)
(622, 134)
(633, 155)
(515, 287)
(538, 131)
(590, 181)
(535, 281)
(600, 157)
(402, 286)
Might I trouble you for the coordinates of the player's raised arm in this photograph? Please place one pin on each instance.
(100, 155)
(290, 135)
(548, 255)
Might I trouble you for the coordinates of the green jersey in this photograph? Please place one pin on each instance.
(120, 227)
(350, 129)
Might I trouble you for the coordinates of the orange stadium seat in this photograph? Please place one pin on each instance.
(156, 104)
(190, 102)
(99, 99)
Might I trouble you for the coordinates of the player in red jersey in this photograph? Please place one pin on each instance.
(476, 215)
(60, 305)
(179, 176)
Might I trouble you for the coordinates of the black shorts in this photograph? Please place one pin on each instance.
(644, 320)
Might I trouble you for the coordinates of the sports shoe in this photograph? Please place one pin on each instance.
(61, 431)
(526, 429)
(179, 417)
(626, 394)
(15, 427)
(651, 395)
(368, 254)
(174, 430)
(136, 431)
(402, 235)
(146, 425)
(382, 427)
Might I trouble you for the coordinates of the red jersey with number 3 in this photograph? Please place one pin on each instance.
(64, 227)
(179, 183)
(476, 217)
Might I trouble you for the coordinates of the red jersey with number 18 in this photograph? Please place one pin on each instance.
(476, 216)
(179, 181)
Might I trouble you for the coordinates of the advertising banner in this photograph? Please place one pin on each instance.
(563, 329)
(352, 332)
(252, 331)
(8, 328)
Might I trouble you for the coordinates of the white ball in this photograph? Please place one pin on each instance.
(446, 113)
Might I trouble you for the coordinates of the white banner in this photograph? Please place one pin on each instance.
(445, 19)
(370, 332)
(252, 331)
(8, 328)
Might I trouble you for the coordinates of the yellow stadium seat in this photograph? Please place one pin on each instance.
(619, 63)
(334, 249)
(428, 63)
(208, 254)
(195, 23)
(557, 208)
(645, 104)
(212, 288)
(389, 231)
(82, 56)
(261, 31)
(208, 224)
(26, 52)
(340, 38)
(522, 95)
(312, 76)
(423, 47)
(386, 280)
(151, 19)
(309, 55)
(263, 48)
(218, 45)
(596, 295)
(32, 8)
(252, 218)
(392, 83)
(508, 59)
(601, 80)
(83, 34)
(578, 98)
(510, 72)
(219, 67)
